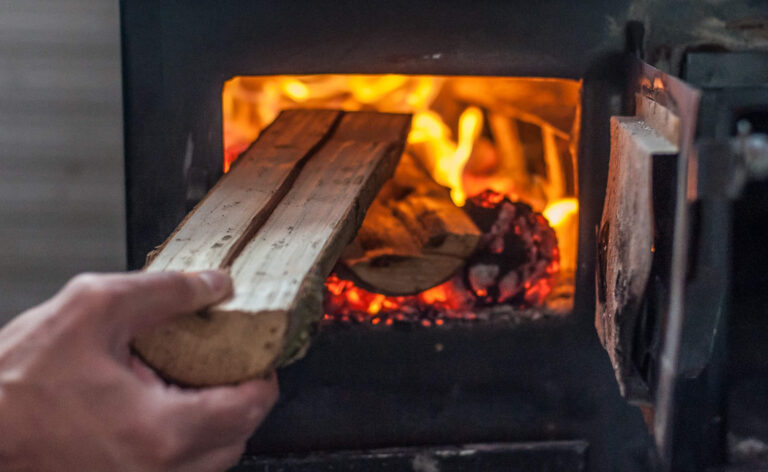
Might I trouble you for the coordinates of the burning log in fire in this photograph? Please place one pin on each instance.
(515, 136)
(413, 236)
(517, 257)
(515, 264)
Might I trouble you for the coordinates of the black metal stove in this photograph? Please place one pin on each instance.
(536, 395)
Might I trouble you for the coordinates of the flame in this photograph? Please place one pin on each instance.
(563, 216)
(427, 126)
(450, 169)
(345, 299)
(295, 90)
(372, 89)
(450, 158)
(464, 131)
(556, 212)
(524, 286)
(393, 93)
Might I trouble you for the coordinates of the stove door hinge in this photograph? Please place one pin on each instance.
(726, 165)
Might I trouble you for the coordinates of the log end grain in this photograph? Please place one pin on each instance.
(215, 348)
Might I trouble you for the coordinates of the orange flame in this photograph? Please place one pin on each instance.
(458, 134)
(450, 168)
(394, 93)
(348, 300)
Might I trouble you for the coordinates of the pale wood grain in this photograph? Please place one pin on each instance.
(659, 117)
(279, 271)
(242, 200)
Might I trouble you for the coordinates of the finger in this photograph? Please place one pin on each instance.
(134, 302)
(222, 416)
(157, 297)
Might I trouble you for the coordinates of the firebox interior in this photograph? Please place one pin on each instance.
(486, 139)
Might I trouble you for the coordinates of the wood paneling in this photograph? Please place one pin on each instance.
(61, 155)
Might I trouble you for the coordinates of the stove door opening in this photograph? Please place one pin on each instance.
(480, 221)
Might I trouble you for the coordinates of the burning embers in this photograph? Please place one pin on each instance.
(517, 257)
(437, 244)
(514, 267)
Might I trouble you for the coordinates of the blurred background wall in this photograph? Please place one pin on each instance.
(61, 154)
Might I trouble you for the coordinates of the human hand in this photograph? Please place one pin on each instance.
(74, 398)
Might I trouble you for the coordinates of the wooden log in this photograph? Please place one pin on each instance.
(242, 200)
(625, 244)
(413, 237)
(517, 257)
(279, 256)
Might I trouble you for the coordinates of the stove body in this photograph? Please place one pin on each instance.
(540, 390)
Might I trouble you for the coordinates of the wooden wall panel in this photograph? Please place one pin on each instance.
(61, 155)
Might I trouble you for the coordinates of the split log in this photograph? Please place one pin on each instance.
(214, 232)
(625, 244)
(413, 237)
(278, 221)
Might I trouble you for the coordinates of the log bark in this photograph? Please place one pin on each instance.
(278, 225)
(413, 237)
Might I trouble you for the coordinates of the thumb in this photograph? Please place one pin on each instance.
(154, 298)
(134, 302)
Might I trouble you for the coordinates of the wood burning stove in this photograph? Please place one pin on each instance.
(526, 390)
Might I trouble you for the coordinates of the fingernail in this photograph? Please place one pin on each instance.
(216, 280)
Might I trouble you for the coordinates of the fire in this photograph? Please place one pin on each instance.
(517, 231)
(470, 133)
(348, 301)
(394, 93)
(563, 216)
(556, 212)
(296, 90)
(450, 168)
